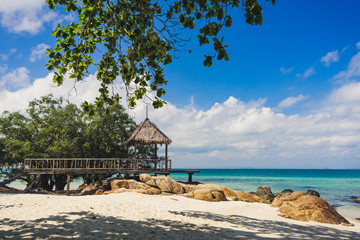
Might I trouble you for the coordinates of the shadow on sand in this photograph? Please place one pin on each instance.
(88, 225)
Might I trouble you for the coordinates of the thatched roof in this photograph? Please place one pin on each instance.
(147, 133)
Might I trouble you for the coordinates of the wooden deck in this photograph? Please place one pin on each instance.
(128, 166)
(96, 165)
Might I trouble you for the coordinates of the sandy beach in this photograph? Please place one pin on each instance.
(132, 215)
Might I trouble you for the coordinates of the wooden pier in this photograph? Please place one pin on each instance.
(127, 166)
(96, 165)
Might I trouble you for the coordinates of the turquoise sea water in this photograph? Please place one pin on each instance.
(338, 187)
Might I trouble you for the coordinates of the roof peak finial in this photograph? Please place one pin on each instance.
(147, 111)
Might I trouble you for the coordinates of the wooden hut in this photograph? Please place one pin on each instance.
(147, 133)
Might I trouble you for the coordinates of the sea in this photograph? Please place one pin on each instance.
(339, 188)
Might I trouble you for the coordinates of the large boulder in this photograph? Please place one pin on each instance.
(278, 201)
(357, 200)
(132, 184)
(227, 191)
(233, 195)
(207, 195)
(265, 193)
(300, 206)
(164, 183)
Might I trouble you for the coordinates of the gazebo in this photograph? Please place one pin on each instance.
(147, 133)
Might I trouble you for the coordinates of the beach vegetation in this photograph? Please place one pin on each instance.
(55, 128)
(135, 39)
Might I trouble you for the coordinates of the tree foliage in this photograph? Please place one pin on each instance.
(135, 39)
(52, 129)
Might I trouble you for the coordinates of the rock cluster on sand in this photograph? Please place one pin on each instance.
(295, 205)
(304, 207)
(357, 200)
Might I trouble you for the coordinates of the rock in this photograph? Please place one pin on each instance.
(357, 200)
(106, 186)
(99, 192)
(188, 187)
(132, 184)
(308, 207)
(312, 193)
(265, 193)
(278, 201)
(147, 179)
(89, 189)
(207, 195)
(248, 197)
(286, 191)
(227, 192)
(233, 195)
(164, 183)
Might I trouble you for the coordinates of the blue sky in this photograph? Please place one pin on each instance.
(288, 98)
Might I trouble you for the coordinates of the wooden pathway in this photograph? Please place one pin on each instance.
(127, 166)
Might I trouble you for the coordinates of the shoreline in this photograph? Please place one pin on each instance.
(132, 215)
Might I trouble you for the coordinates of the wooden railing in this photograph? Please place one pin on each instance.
(31, 164)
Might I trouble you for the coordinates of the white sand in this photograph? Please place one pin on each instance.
(137, 216)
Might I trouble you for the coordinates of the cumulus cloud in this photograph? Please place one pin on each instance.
(288, 102)
(38, 52)
(22, 15)
(330, 57)
(18, 78)
(18, 100)
(348, 93)
(27, 16)
(234, 133)
(286, 70)
(358, 45)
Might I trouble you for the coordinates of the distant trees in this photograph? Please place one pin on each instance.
(51, 128)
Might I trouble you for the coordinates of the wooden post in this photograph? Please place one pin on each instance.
(190, 177)
(166, 157)
(134, 156)
(68, 185)
(156, 158)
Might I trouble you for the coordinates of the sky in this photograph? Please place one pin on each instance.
(288, 98)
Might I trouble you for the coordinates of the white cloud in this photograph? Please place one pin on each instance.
(234, 133)
(19, 16)
(22, 15)
(352, 71)
(358, 45)
(286, 70)
(330, 57)
(18, 78)
(5, 57)
(38, 52)
(308, 72)
(287, 102)
(349, 93)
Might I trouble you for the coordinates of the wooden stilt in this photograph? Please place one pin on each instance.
(68, 185)
(156, 158)
(166, 157)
